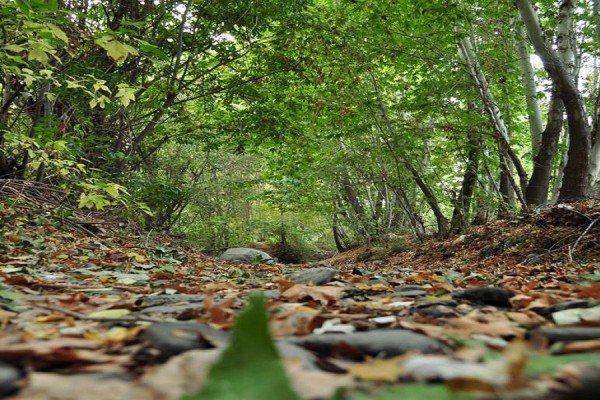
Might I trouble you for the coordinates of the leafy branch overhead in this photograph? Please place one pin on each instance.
(412, 184)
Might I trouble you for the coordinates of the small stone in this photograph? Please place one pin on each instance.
(492, 295)
(173, 309)
(314, 276)
(272, 294)
(533, 259)
(570, 334)
(9, 377)
(406, 288)
(411, 293)
(566, 305)
(437, 311)
(377, 280)
(162, 299)
(172, 338)
(386, 342)
(243, 255)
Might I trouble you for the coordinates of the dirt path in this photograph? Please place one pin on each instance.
(486, 311)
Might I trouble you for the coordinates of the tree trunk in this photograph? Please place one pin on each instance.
(469, 56)
(534, 112)
(576, 181)
(442, 221)
(537, 189)
(460, 215)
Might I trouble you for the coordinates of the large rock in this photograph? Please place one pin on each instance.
(379, 342)
(9, 377)
(314, 276)
(245, 255)
(172, 338)
(492, 296)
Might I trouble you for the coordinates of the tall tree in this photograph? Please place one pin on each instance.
(576, 181)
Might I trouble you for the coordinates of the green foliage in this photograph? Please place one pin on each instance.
(250, 368)
(220, 116)
(546, 363)
(416, 392)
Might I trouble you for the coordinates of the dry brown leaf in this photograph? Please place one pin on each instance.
(491, 325)
(323, 294)
(315, 384)
(184, 373)
(380, 370)
(592, 291)
(581, 346)
(527, 319)
(6, 316)
(44, 386)
(296, 320)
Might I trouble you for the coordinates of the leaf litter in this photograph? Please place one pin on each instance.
(508, 310)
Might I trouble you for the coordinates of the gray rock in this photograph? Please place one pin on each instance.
(377, 280)
(172, 309)
(314, 276)
(567, 305)
(406, 288)
(411, 293)
(570, 334)
(161, 299)
(387, 342)
(172, 338)
(272, 294)
(437, 311)
(492, 296)
(9, 377)
(287, 349)
(243, 255)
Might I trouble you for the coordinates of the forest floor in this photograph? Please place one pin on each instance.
(509, 310)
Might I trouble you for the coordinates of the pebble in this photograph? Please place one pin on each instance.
(172, 338)
(492, 296)
(570, 334)
(9, 377)
(378, 342)
(314, 276)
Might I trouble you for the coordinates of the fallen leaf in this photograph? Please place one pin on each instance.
(112, 313)
(380, 370)
(323, 294)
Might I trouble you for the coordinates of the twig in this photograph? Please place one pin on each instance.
(589, 227)
(84, 317)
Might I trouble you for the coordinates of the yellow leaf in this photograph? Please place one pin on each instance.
(137, 257)
(114, 313)
(115, 334)
(388, 370)
(58, 33)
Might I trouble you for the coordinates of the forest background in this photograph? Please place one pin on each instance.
(302, 126)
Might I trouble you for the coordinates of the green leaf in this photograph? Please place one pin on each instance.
(125, 95)
(415, 392)
(116, 50)
(15, 48)
(114, 313)
(250, 368)
(24, 6)
(58, 33)
(38, 51)
(545, 363)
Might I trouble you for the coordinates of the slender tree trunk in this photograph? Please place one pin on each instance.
(469, 56)
(576, 181)
(430, 198)
(537, 189)
(460, 215)
(534, 112)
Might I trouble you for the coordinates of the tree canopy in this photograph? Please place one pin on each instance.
(237, 122)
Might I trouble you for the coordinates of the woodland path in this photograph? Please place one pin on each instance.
(114, 317)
